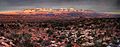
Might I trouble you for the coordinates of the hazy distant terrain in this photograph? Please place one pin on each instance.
(20, 16)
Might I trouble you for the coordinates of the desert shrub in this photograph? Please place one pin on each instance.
(50, 32)
(62, 37)
(69, 44)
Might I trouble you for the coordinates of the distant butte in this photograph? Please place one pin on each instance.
(41, 14)
(46, 11)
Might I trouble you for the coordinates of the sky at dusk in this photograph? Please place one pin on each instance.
(98, 5)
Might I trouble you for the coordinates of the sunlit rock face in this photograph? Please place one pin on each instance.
(47, 11)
